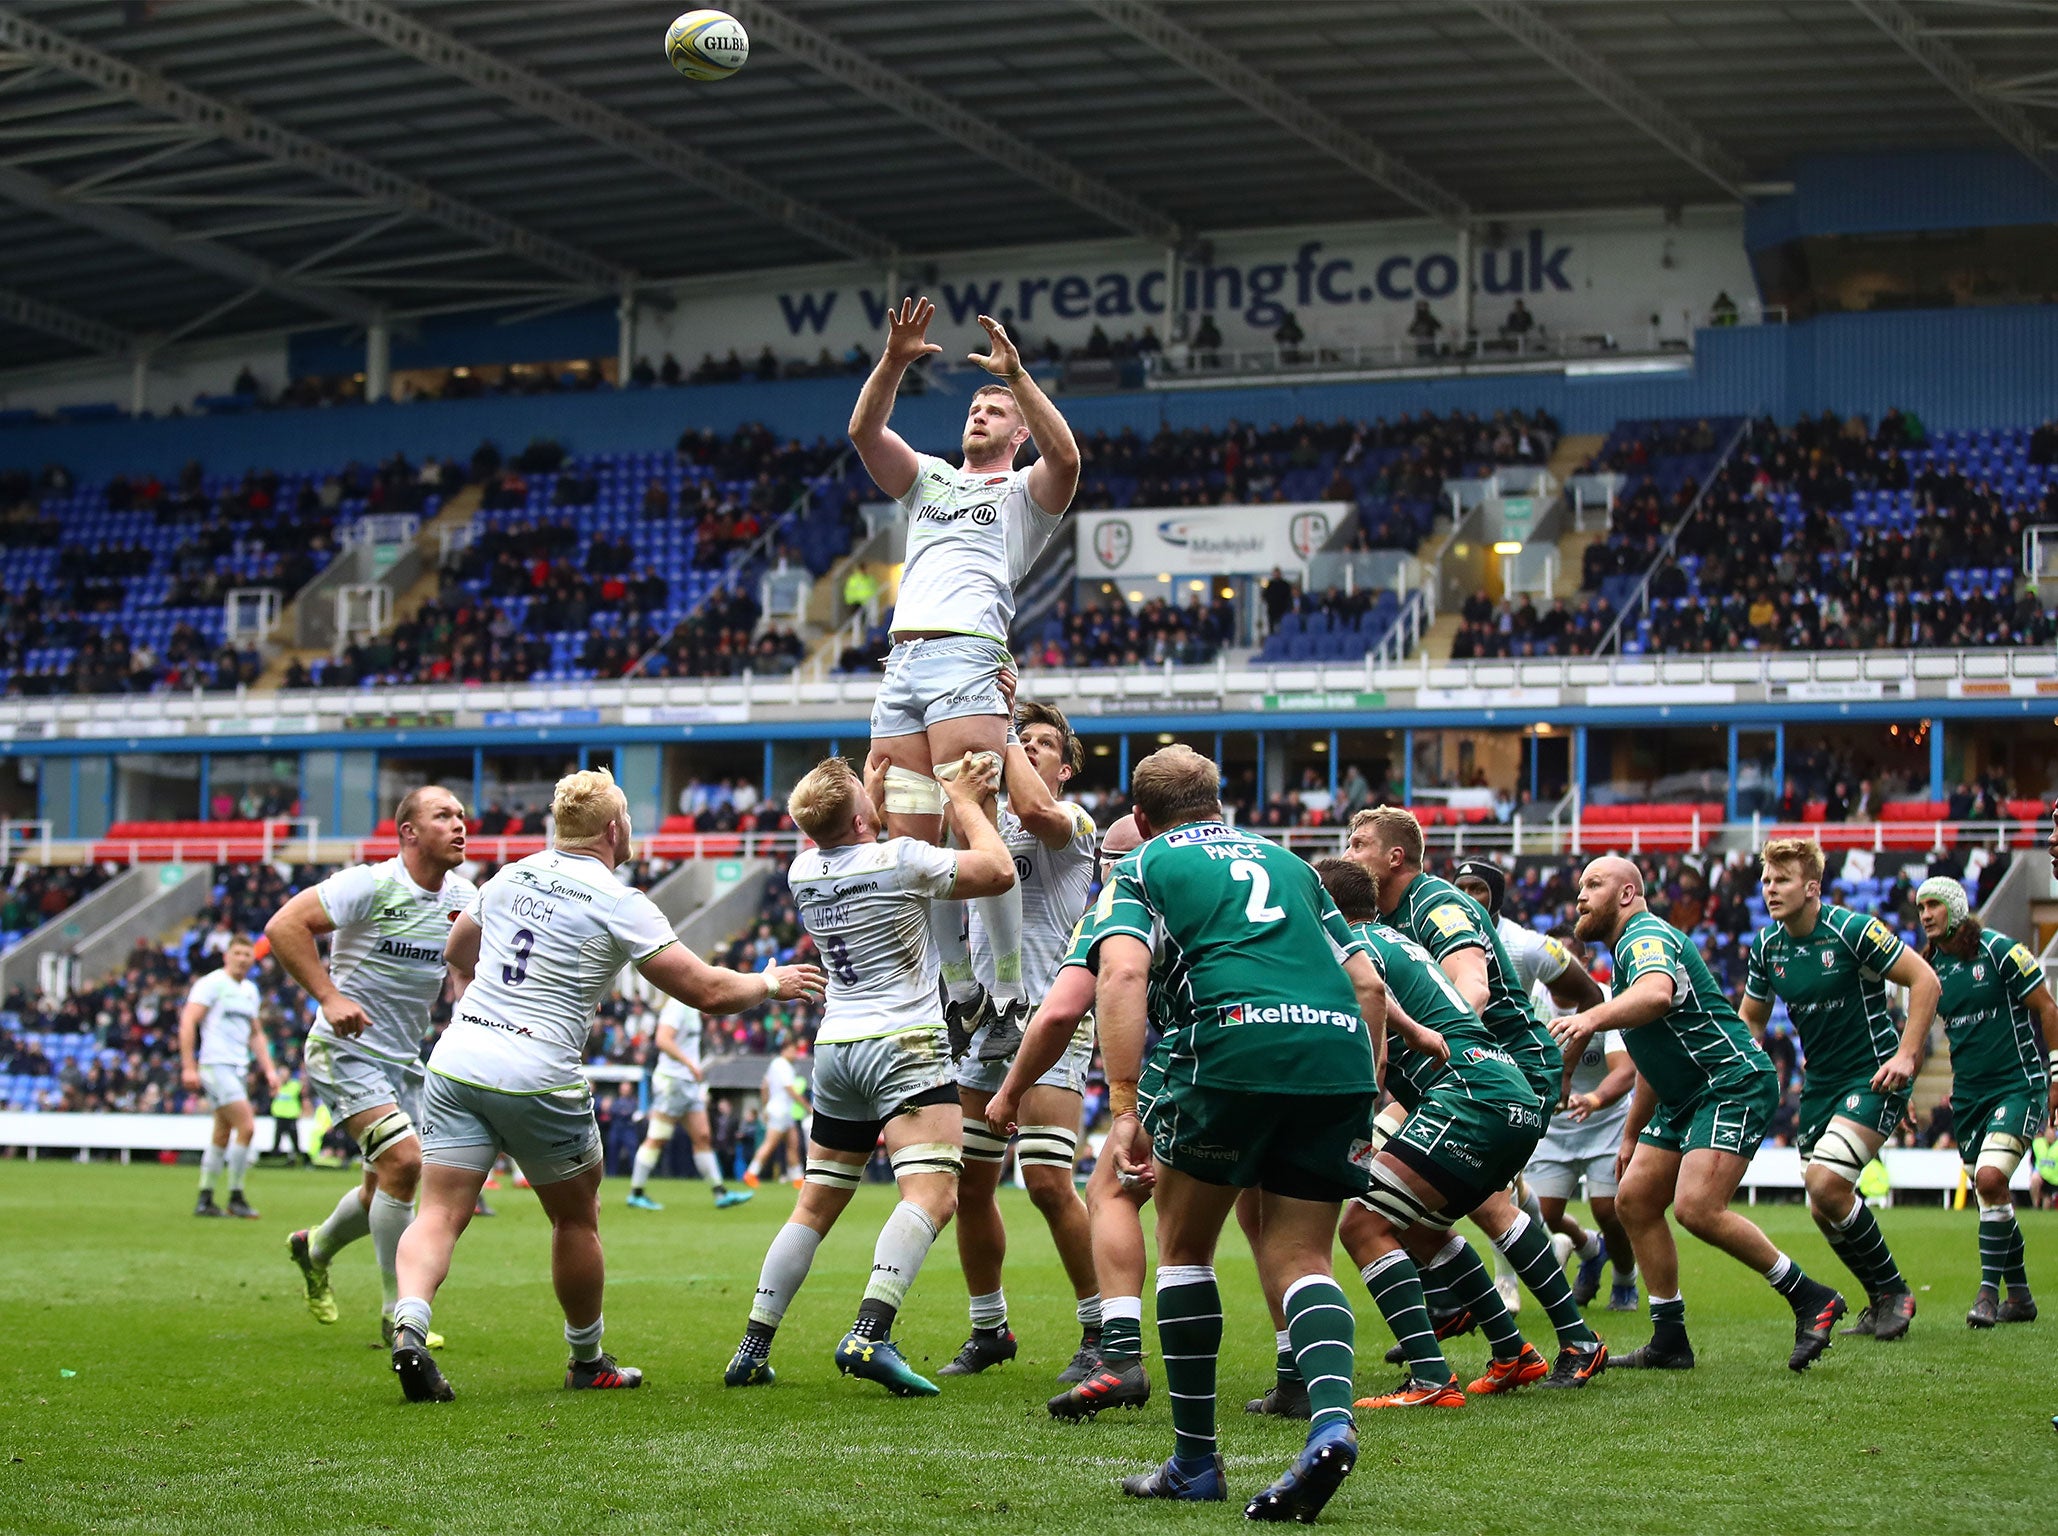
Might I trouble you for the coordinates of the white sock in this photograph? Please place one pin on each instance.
(786, 1265)
(350, 1220)
(213, 1160)
(1088, 1311)
(1594, 1246)
(710, 1168)
(646, 1162)
(585, 1341)
(1782, 1266)
(990, 1310)
(241, 1156)
(389, 1218)
(1001, 916)
(947, 932)
(1282, 1339)
(411, 1312)
(897, 1257)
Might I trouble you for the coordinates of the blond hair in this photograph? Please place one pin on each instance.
(1788, 851)
(1395, 826)
(999, 389)
(583, 804)
(824, 801)
(1176, 784)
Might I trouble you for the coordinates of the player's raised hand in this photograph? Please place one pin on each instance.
(785, 983)
(1007, 682)
(1002, 358)
(977, 775)
(875, 781)
(1572, 1033)
(346, 1017)
(907, 331)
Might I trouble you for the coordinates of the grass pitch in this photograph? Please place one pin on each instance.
(163, 1376)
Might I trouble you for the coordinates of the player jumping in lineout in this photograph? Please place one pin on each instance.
(972, 534)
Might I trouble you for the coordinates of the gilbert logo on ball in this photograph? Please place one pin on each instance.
(707, 45)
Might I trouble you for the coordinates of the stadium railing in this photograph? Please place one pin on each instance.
(213, 842)
(1618, 681)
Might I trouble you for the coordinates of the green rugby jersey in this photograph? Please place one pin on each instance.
(1443, 920)
(1249, 950)
(1833, 983)
(1418, 985)
(1986, 1014)
(1700, 1043)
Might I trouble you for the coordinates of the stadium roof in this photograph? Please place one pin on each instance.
(180, 169)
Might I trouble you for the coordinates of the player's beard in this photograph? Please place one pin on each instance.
(1592, 928)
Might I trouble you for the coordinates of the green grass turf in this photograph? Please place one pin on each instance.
(205, 1399)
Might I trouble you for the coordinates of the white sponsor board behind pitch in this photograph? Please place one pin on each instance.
(1204, 541)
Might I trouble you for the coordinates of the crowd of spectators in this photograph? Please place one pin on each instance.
(1782, 553)
(35, 893)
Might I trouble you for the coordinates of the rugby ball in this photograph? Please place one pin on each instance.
(707, 45)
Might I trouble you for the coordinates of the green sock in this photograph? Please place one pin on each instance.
(1121, 1331)
(1668, 1324)
(1528, 1248)
(1459, 1274)
(1397, 1292)
(2013, 1271)
(1190, 1340)
(1863, 1248)
(1995, 1224)
(1324, 1331)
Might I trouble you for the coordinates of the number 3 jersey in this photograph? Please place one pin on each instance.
(867, 907)
(1250, 949)
(555, 930)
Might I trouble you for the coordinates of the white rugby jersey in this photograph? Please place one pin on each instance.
(867, 906)
(685, 1021)
(231, 1010)
(1054, 883)
(387, 952)
(556, 929)
(1538, 958)
(971, 537)
(781, 1101)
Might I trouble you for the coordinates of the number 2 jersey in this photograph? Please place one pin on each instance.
(1253, 994)
(1055, 883)
(867, 907)
(555, 930)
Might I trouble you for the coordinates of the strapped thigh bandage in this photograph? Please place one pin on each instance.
(1385, 1123)
(909, 793)
(1999, 1150)
(660, 1127)
(928, 1157)
(385, 1131)
(830, 1174)
(1840, 1154)
(1389, 1196)
(1049, 1146)
(945, 772)
(981, 1145)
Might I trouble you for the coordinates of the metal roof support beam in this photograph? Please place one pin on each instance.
(222, 120)
(52, 320)
(1959, 78)
(33, 192)
(892, 88)
(1264, 94)
(495, 76)
(1594, 75)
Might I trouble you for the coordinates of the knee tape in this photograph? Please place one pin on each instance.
(1047, 1146)
(1448, 1251)
(1390, 1198)
(2002, 1152)
(981, 1145)
(928, 1157)
(909, 793)
(1385, 1123)
(945, 772)
(1840, 1155)
(385, 1131)
(831, 1174)
(660, 1127)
